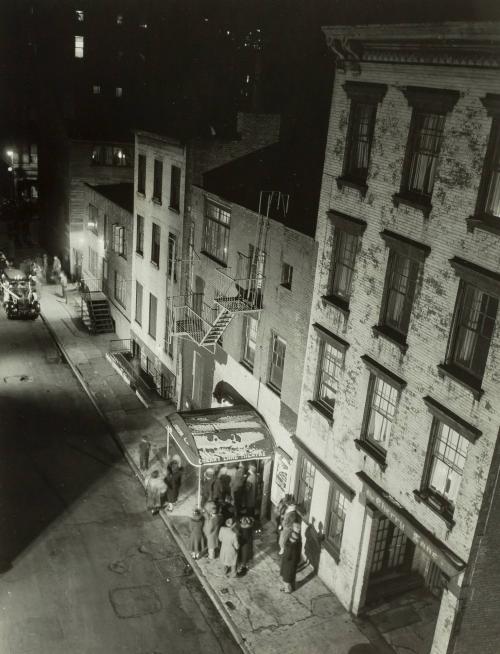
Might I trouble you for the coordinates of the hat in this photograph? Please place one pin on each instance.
(209, 472)
(246, 521)
(176, 459)
(210, 507)
(229, 522)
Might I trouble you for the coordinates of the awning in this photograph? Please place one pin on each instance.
(224, 435)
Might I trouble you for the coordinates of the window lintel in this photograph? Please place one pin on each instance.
(443, 414)
(405, 246)
(347, 223)
(331, 338)
(439, 101)
(384, 373)
(484, 279)
(368, 92)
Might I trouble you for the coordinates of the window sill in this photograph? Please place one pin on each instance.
(155, 265)
(362, 187)
(328, 415)
(247, 366)
(391, 335)
(484, 222)
(423, 497)
(174, 209)
(274, 389)
(338, 303)
(141, 194)
(372, 452)
(332, 551)
(420, 203)
(139, 254)
(287, 286)
(211, 256)
(462, 378)
(156, 201)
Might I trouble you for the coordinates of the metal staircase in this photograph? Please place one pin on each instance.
(217, 329)
(95, 313)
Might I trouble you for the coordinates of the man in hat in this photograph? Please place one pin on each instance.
(144, 450)
(211, 527)
(229, 546)
(291, 558)
(246, 543)
(238, 488)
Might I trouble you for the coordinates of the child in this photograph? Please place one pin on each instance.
(197, 540)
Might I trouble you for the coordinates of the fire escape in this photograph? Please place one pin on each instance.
(236, 290)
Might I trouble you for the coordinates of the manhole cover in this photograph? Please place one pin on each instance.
(135, 601)
(18, 379)
(175, 566)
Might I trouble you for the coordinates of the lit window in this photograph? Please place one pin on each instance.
(119, 19)
(80, 15)
(118, 91)
(119, 242)
(143, 26)
(79, 47)
(96, 89)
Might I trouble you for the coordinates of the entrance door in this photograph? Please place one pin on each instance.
(393, 552)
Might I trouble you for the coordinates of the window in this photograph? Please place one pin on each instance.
(448, 450)
(175, 188)
(96, 89)
(152, 316)
(141, 174)
(119, 19)
(92, 223)
(172, 252)
(111, 155)
(278, 350)
(250, 327)
(79, 47)
(335, 519)
(105, 269)
(118, 92)
(331, 363)
(157, 180)
(138, 303)
(139, 241)
(344, 258)
(119, 242)
(121, 157)
(155, 245)
(80, 15)
(473, 325)
(120, 289)
(105, 228)
(286, 275)
(216, 232)
(305, 485)
(401, 279)
(93, 262)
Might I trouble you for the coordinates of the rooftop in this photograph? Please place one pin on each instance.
(294, 168)
(120, 194)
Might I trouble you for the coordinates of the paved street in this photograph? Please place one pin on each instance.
(85, 569)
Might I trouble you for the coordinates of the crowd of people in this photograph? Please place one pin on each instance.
(222, 527)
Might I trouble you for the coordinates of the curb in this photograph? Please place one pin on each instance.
(216, 601)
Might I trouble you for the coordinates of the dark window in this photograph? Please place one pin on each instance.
(489, 193)
(250, 327)
(448, 450)
(175, 188)
(331, 362)
(120, 289)
(139, 242)
(157, 180)
(424, 144)
(152, 316)
(305, 485)
(105, 230)
(92, 223)
(119, 241)
(344, 258)
(138, 303)
(141, 174)
(335, 519)
(216, 232)
(381, 403)
(473, 325)
(278, 350)
(172, 256)
(155, 245)
(286, 275)
(359, 141)
(400, 284)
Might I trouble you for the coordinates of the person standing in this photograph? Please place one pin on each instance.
(211, 528)
(155, 492)
(56, 268)
(197, 541)
(207, 487)
(291, 558)
(64, 285)
(290, 517)
(45, 267)
(173, 479)
(229, 546)
(238, 489)
(246, 542)
(144, 450)
(251, 487)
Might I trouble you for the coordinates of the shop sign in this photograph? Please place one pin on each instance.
(282, 464)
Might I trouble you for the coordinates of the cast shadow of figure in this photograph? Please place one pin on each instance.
(312, 551)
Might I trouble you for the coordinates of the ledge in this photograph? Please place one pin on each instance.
(273, 388)
(362, 187)
(331, 549)
(331, 338)
(155, 265)
(423, 497)
(327, 415)
(383, 372)
(212, 258)
(457, 423)
(413, 201)
(372, 452)
(338, 303)
(391, 335)
(141, 194)
(156, 200)
(246, 365)
(174, 209)
(140, 254)
(484, 222)
(462, 378)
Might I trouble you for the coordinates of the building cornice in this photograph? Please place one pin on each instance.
(448, 44)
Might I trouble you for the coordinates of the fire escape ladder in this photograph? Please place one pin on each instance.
(217, 328)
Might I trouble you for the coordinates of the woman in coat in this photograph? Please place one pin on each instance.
(291, 558)
(229, 546)
(197, 539)
(174, 478)
(155, 492)
(246, 542)
(211, 528)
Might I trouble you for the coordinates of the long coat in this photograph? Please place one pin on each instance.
(290, 560)
(197, 540)
(174, 478)
(229, 546)
(246, 545)
(155, 492)
(251, 490)
(289, 517)
(211, 528)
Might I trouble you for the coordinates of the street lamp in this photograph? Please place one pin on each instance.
(10, 154)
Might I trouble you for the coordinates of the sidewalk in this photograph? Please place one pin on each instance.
(263, 620)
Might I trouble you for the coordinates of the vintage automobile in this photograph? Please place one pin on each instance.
(20, 298)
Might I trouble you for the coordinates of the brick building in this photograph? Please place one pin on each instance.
(399, 417)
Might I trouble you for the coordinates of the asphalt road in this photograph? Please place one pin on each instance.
(84, 568)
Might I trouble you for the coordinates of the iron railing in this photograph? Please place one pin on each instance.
(120, 345)
(238, 294)
(90, 285)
